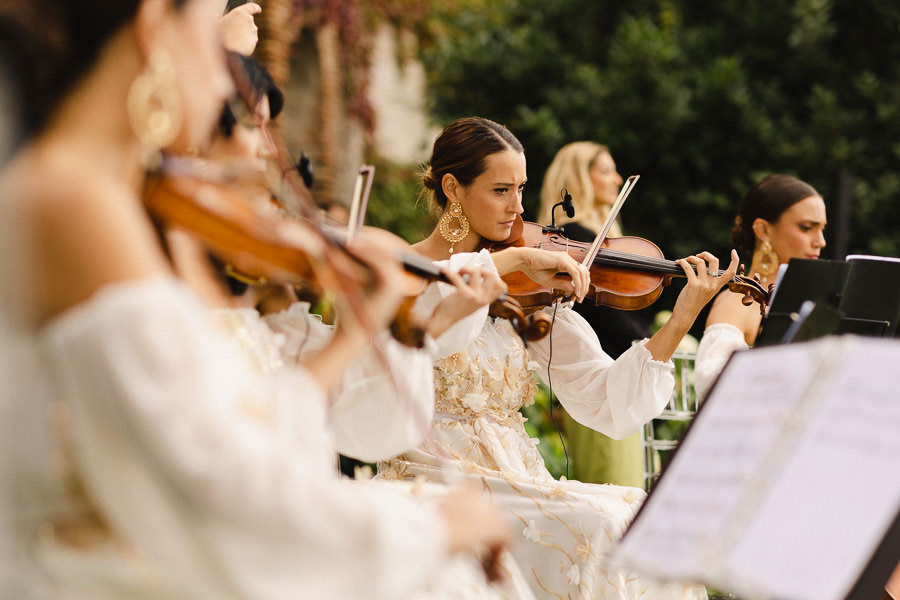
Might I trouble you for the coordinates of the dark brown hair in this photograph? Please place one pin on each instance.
(261, 84)
(462, 150)
(768, 200)
(51, 44)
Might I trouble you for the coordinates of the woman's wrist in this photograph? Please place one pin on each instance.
(507, 260)
(439, 322)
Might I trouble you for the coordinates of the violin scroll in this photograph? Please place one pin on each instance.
(751, 290)
(530, 328)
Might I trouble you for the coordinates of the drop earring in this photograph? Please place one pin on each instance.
(766, 261)
(154, 105)
(453, 224)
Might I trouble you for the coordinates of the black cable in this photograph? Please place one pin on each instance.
(550, 386)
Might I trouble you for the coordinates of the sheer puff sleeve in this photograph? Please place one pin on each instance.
(716, 346)
(613, 397)
(383, 404)
(224, 506)
(462, 333)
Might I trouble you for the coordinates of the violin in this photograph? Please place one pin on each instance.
(628, 272)
(204, 199)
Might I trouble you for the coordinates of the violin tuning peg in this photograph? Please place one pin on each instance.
(747, 300)
(741, 270)
(756, 278)
(771, 288)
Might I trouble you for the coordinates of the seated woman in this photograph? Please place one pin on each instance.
(779, 218)
(125, 468)
(477, 174)
(379, 403)
(588, 172)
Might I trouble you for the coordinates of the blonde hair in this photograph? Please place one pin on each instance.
(571, 169)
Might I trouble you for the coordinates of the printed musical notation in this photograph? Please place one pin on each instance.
(788, 478)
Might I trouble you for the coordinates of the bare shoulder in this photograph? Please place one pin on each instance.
(85, 232)
(728, 308)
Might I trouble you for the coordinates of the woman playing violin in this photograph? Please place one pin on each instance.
(477, 175)
(125, 471)
(371, 418)
(780, 218)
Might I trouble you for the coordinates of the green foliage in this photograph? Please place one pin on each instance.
(397, 203)
(539, 425)
(701, 99)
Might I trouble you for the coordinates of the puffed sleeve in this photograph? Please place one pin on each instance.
(384, 402)
(225, 506)
(613, 397)
(718, 342)
(459, 335)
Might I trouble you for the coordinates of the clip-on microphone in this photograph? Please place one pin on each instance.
(567, 206)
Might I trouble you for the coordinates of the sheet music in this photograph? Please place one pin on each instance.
(788, 477)
(844, 472)
(701, 489)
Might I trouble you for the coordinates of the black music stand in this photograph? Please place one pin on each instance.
(871, 299)
(864, 290)
(821, 281)
(812, 321)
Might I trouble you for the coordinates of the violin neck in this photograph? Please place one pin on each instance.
(636, 262)
(422, 267)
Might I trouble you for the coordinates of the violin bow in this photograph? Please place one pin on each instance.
(360, 201)
(610, 219)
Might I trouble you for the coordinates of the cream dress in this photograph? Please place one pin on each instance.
(129, 467)
(381, 405)
(564, 529)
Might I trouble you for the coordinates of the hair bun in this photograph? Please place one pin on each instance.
(428, 178)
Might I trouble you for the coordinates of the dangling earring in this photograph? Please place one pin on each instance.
(154, 105)
(766, 261)
(451, 232)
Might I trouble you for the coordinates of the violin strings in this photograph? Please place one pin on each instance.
(627, 259)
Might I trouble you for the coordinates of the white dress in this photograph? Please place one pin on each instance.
(564, 528)
(371, 419)
(129, 468)
(719, 341)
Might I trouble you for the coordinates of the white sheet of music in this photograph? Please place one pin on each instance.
(788, 478)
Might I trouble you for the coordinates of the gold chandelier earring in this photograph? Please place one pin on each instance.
(766, 261)
(154, 105)
(454, 225)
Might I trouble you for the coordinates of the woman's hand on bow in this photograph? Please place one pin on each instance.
(360, 317)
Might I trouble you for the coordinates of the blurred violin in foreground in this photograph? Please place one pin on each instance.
(218, 206)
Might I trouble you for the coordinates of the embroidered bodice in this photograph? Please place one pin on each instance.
(477, 381)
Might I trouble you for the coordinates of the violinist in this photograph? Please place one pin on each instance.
(587, 171)
(476, 176)
(245, 145)
(125, 470)
(379, 388)
(779, 218)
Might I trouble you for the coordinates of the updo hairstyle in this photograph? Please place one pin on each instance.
(462, 150)
(768, 200)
